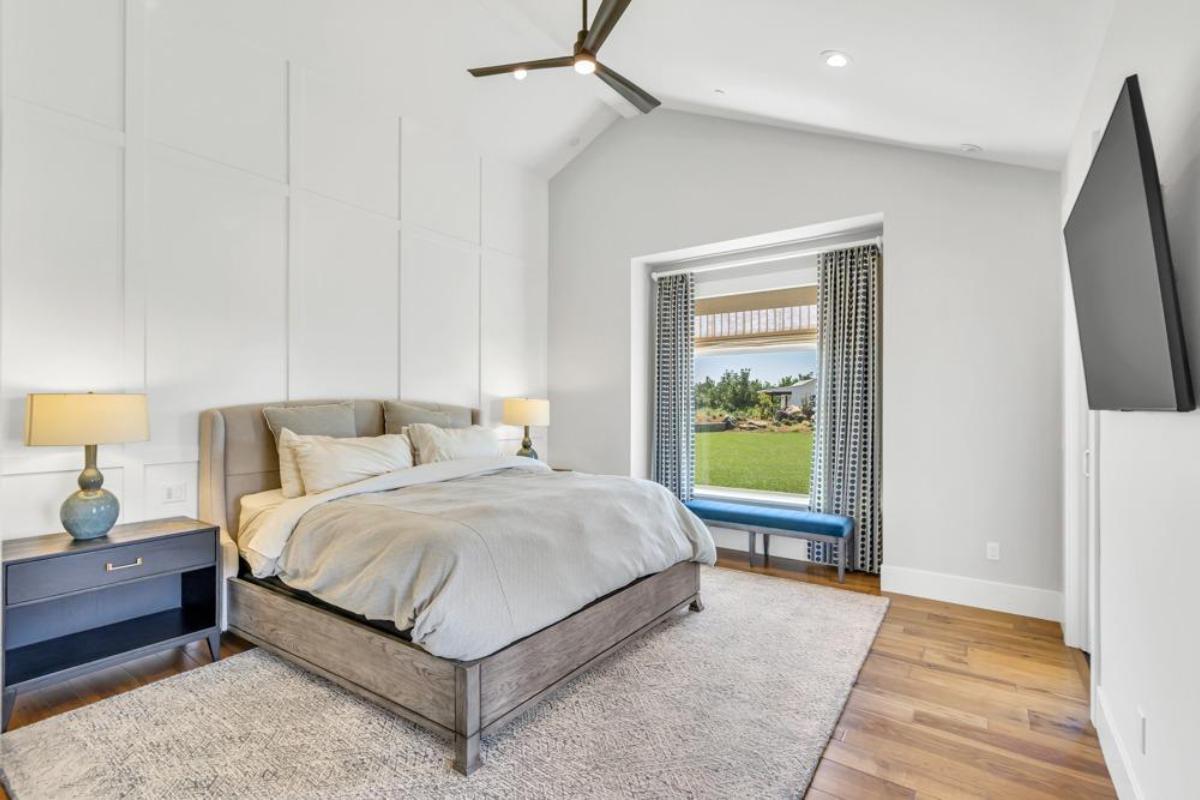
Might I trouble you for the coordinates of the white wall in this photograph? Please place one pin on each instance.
(972, 309)
(1149, 471)
(211, 221)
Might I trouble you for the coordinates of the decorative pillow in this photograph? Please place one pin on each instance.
(334, 420)
(432, 443)
(398, 415)
(326, 463)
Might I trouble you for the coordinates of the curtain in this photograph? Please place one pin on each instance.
(846, 437)
(673, 453)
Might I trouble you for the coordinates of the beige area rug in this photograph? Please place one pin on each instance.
(737, 701)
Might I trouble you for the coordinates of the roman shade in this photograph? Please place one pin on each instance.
(775, 317)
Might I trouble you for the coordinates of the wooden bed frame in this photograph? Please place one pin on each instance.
(462, 700)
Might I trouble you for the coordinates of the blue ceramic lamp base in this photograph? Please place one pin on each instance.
(92, 511)
(527, 446)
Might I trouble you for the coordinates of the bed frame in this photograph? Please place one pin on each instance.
(462, 700)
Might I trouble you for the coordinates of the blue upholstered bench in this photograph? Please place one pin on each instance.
(780, 521)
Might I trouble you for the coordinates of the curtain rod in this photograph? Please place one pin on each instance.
(748, 260)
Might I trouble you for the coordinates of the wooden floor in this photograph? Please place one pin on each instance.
(957, 702)
(952, 702)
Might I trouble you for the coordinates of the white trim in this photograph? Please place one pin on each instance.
(1116, 756)
(781, 255)
(752, 497)
(1012, 598)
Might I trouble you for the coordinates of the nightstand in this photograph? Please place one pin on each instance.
(73, 607)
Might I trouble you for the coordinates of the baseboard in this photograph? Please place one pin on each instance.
(1028, 601)
(1116, 757)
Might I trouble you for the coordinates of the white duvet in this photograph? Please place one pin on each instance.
(472, 555)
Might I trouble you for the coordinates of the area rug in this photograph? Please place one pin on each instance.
(736, 701)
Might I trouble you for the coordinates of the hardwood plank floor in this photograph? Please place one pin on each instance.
(952, 702)
(957, 702)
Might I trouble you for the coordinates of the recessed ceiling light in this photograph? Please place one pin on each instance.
(967, 147)
(835, 58)
(519, 73)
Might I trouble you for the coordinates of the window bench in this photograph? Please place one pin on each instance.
(779, 521)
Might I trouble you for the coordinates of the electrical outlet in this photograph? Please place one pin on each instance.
(175, 493)
(993, 551)
(1142, 728)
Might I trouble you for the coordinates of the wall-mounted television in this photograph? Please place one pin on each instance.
(1130, 330)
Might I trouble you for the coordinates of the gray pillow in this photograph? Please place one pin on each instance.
(326, 419)
(398, 415)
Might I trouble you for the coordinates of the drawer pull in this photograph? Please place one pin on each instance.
(109, 567)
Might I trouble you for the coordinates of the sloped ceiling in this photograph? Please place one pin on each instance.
(1007, 75)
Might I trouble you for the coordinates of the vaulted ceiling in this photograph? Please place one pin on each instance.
(1007, 75)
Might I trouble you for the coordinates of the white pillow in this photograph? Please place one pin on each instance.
(326, 463)
(431, 443)
(291, 483)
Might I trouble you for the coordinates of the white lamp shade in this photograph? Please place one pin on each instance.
(74, 419)
(526, 411)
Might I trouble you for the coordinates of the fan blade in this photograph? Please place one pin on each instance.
(641, 99)
(545, 63)
(606, 19)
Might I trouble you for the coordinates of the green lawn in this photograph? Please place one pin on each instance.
(772, 462)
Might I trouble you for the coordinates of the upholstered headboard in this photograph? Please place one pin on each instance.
(238, 455)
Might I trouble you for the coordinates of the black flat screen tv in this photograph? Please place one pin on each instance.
(1130, 330)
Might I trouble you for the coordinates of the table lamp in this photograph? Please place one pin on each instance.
(89, 420)
(526, 411)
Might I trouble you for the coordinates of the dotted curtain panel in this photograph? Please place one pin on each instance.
(674, 445)
(846, 441)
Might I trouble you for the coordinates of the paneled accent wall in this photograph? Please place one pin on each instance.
(187, 214)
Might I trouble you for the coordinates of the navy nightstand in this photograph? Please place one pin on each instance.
(74, 607)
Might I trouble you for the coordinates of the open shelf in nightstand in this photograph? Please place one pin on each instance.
(65, 653)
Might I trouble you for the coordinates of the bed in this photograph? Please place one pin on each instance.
(471, 669)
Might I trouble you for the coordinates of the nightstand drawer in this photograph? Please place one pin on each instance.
(35, 580)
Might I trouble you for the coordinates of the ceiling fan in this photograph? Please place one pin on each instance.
(587, 44)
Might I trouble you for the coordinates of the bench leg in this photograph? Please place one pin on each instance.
(841, 558)
(750, 548)
(766, 548)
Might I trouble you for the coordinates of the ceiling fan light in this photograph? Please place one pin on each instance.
(585, 64)
(520, 73)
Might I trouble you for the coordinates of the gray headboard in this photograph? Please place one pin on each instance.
(238, 455)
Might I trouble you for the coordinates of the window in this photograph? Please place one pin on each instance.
(756, 380)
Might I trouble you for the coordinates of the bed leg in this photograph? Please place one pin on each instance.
(466, 753)
(467, 706)
(696, 605)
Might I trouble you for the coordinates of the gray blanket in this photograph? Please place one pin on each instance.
(474, 562)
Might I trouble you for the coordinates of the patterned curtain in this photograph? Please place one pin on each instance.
(846, 440)
(673, 456)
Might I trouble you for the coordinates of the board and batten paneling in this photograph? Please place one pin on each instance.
(221, 224)
(342, 299)
(344, 147)
(440, 182)
(216, 301)
(67, 55)
(216, 97)
(439, 320)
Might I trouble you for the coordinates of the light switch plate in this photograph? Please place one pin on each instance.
(175, 493)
